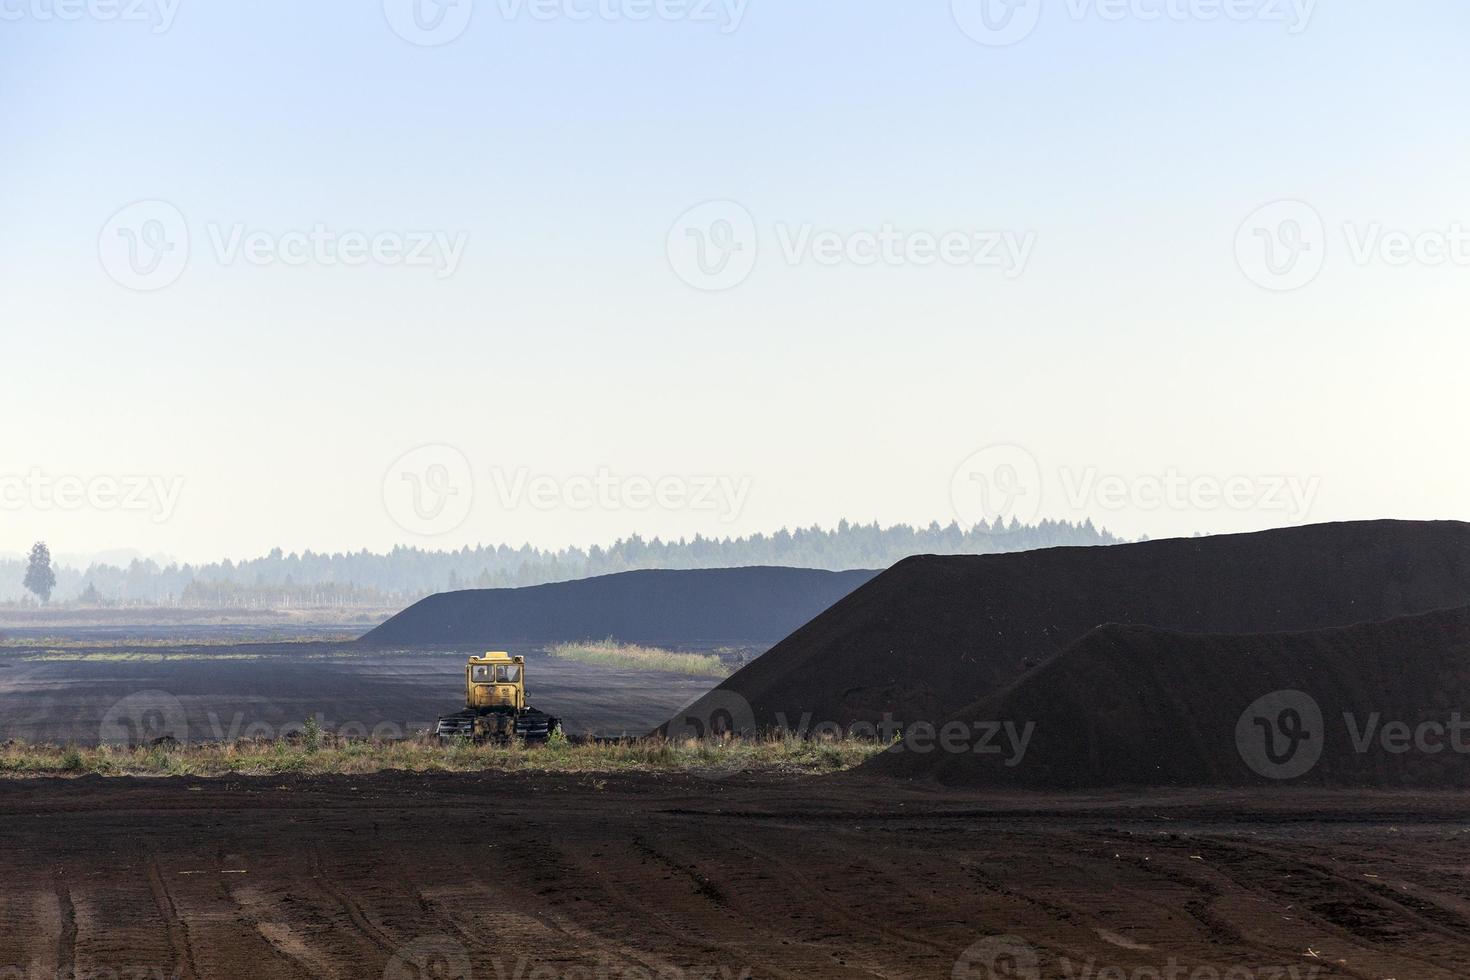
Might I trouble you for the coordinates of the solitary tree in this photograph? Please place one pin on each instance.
(40, 579)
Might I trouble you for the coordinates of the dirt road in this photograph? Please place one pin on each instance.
(497, 876)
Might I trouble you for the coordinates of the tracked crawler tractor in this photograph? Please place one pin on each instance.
(495, 704)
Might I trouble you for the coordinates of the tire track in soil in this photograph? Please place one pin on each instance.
(1221, 930)
(826, 908)
(288, 944)
(66, 940)
(354, 911)
(549, 924)
(449, 904)
(706, 889)
(1241, 862)
(620, 906)
(1079, 852)
(1204, 894)
(866, 925)
(1429, 915)
(174, 926)
(1233, 888)
(571, 868)
(628, 899)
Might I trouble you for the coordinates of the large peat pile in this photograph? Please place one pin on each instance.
(933, 635)
(1379, 704)
(674, 607)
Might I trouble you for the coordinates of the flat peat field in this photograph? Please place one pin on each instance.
(86, 690)
(641, 875)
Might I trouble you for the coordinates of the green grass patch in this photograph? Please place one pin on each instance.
(326, 756)
(611, 653)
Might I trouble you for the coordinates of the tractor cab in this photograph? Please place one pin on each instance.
(496, 680)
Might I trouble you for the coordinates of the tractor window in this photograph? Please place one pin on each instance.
(481, 675)
(507, 675)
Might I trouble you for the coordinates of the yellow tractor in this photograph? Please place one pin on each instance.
(495, 704)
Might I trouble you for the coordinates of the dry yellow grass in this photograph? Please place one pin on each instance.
(765, 754)
(611, 653)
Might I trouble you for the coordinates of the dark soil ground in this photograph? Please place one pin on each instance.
(496, 876)
(264, 690)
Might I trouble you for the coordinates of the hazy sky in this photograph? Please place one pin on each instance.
(1024, 260)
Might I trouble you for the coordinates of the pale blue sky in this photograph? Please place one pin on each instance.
(1131, 345)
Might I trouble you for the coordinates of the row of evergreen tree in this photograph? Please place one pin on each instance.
(405, 574)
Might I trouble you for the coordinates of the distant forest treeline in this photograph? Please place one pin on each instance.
(282, 581)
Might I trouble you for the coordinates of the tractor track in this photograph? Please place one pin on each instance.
(659, 875)
(66, 940)
(177, 930)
